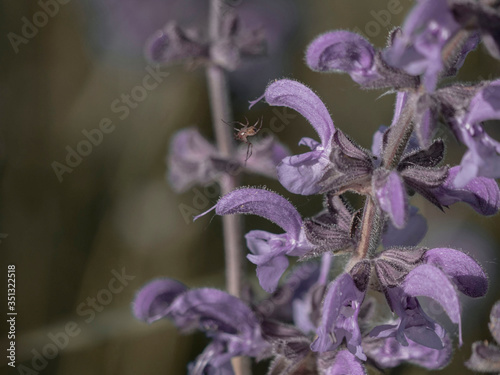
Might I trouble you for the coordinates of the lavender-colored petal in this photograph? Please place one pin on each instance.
(464, 271)
(268, 253)
(410, 235)
(481, 193)
(485, 105)
(343, 51)
(485, 358)
(418, 49)
(422, 281)
(266, 155)
(345, 363)
(483, 156)
(299, 97)
(262, 203)
(388, 353)
(154, 299)
(213, 311)
(495, 322)
(339, 320)
(189, 160)
(391, 197)
(300, 174)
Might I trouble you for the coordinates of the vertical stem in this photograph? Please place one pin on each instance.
(370, 229)
(221, 110)
(232, 225)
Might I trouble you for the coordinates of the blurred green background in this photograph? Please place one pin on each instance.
(114, 212)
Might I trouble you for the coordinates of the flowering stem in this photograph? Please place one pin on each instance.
(372, 222)
(370, 228)
(232, 224)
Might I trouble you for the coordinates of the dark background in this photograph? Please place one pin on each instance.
(115, 210)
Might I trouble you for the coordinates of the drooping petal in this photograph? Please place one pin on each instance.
(154, 299)
(422, 281)
(391, 196)
(388, 353)
(343, 51)
(481, 193)
(410, 235)
(345, 363)
(339, 317)
(300, 174)
(262, 203)
(464, 271)
(269, 254)
(189, 160)
(485, 357)
(295, 95)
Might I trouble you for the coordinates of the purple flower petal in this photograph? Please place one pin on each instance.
(391, 196)
(262, 203)
(418, 49)
(339, 318)
(299, 97)
(189, 160)
(153, 300)
(410, 235)
(343, 51)
(345, 363)
(481, 193)
(300, 174)
(485, 105)
(463, 270)
(388, 353)
(268, 253)
(422, 281)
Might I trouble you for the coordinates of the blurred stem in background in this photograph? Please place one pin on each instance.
(220, 105)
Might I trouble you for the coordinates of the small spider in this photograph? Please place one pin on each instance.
(245, 132)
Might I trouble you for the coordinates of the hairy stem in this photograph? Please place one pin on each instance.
(370, 231)
(232, 224)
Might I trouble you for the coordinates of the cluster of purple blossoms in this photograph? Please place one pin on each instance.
(312, 323)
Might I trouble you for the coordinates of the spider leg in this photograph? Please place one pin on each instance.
(260, 127)
(249, 151)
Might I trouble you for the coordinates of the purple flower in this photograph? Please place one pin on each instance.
(387, 352)
(485, 356)
(269, 251)
(193, 160)
(174, 44)
(300, 174)
(340, 317)
(464, 108)
(419, 47)
(232, 325)
(344, 51)
(405, 274)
